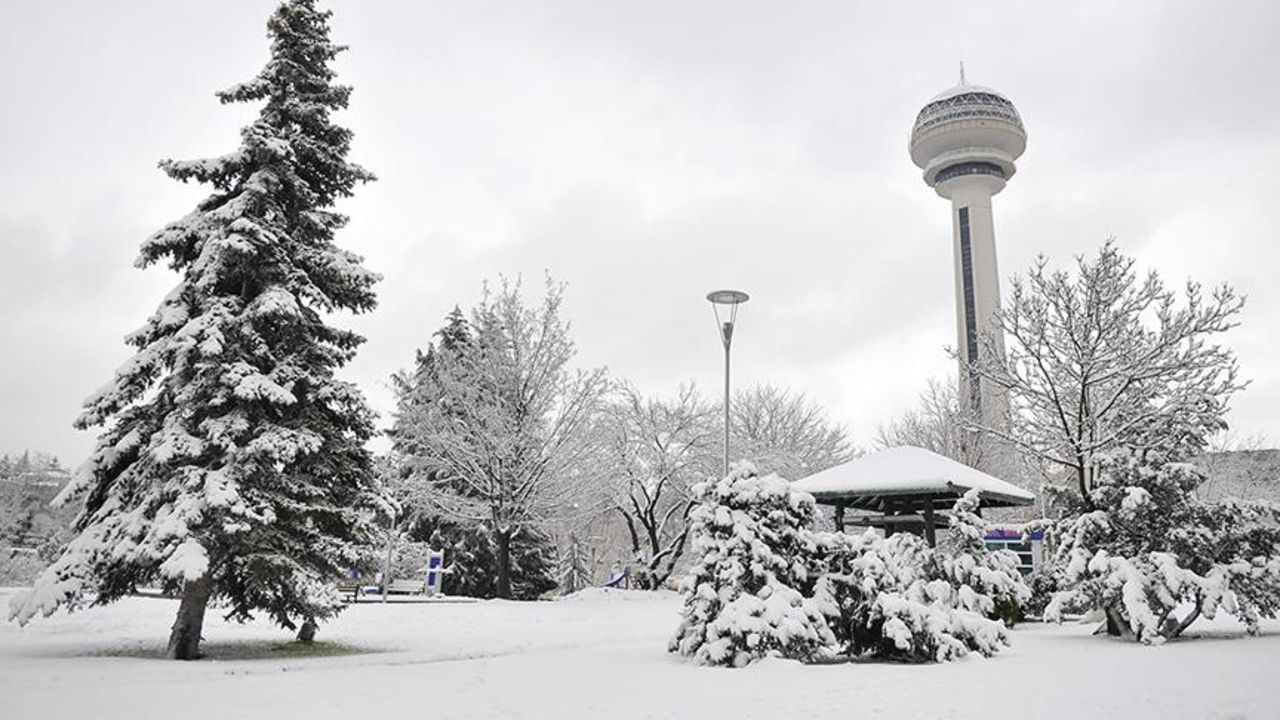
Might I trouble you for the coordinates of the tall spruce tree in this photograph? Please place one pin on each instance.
(232, 466)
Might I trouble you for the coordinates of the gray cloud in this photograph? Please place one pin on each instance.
(647, 153)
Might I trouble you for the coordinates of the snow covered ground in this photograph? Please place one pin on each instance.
(601, 654)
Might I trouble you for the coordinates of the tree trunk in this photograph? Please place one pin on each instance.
(1186, 622)
(1116, 624)
(503, 541)
(307, 633)
(184, 639)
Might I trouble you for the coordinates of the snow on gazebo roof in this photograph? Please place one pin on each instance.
(908, 471)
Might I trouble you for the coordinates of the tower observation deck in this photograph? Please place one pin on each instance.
(966, 141)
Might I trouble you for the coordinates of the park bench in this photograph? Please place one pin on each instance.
(407, 587)
(435, 570)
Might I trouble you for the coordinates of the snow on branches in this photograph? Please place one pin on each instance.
(496, 427)
(765, 585)
(1150, 548)
(1098, 360)
(656, 448)
(232, 465)
(899, 599)
(742, 596)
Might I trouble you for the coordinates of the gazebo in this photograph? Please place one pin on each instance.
(904, 488)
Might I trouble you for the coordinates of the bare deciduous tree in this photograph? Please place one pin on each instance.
(658, 449)
(937, 423)
(1246, 468)
(508, 439)
(1099, 360)
(785, 432)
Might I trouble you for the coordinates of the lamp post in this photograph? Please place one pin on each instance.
(725, 303)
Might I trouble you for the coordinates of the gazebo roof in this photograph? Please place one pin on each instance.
(907, 472)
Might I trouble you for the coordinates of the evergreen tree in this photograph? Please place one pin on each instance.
(764, 584)
(232, 466)
(576, 564)
(1150, 546)
(455, 336)
(470, 556)
(898, 599)
(744, 597)
(985, 581)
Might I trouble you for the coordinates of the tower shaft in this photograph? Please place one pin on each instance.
(977, 283)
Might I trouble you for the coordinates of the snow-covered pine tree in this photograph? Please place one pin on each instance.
(232, 467)
(576, 563)
(985, 581)
(1150, 546)
(743, 598)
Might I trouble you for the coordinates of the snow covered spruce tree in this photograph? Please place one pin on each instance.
(1149, 547)
(744, 598)
(985, 581)
(232, 468)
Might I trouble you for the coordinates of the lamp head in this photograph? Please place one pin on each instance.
(725, 303)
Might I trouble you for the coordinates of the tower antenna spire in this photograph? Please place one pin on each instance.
(962, 80)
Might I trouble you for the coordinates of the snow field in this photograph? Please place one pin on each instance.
(602, 654)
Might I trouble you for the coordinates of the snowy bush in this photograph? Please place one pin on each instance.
(743, 596)
(1044, 584)
(1149, 547)
(764, 584)
(899, 599)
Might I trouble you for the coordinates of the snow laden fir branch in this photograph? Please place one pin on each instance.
(232, 468)
(764, 585)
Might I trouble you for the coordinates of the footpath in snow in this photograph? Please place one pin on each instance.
(600, 654)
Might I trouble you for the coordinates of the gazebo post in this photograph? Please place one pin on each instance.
(840, 517)
(929, 535)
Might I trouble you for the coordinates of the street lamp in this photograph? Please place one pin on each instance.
(725, 303)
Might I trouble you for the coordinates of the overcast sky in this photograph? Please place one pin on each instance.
(646, 153)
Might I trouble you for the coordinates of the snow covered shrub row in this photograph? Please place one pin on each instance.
(1148, 547)
(765, 585)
